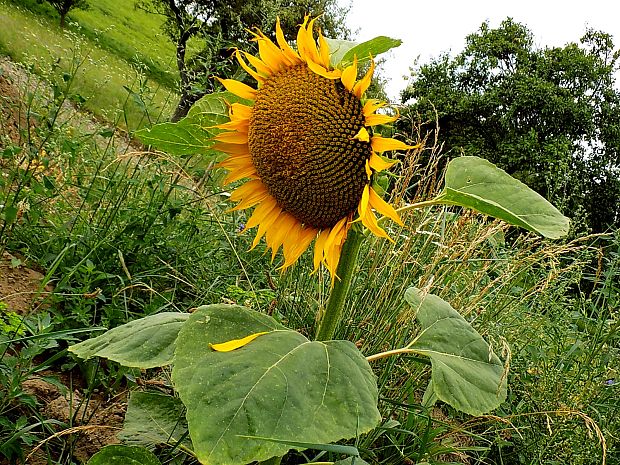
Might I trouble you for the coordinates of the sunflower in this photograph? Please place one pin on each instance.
(305, 148)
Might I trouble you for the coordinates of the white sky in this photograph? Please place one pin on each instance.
(429, 27)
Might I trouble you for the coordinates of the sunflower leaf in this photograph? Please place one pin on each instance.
(153, 419)
(194, 133)
(281, 386)
(212, 109)
(476, 183)
(338, 48)
(343, 51)
(123, 455)
(465, 372)
(188, 136)
(144, 343)
(370, 49)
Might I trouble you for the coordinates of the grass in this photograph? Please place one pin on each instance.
(133, 35)
(102, 81)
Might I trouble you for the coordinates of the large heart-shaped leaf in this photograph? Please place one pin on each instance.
(466, 373)
(279, 386)
(153, 419)
(144, 343)
(476, 183)
(123, 455)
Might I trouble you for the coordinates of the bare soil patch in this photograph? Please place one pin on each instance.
(21, 287)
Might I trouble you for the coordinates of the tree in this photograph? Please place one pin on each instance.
(223, 25)
(550, 116)
(63, 7)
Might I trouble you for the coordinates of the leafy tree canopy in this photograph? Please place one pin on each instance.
(548, 116)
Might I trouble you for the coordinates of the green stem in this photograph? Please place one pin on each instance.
(335, 304)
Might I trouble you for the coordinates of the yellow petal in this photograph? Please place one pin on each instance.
(349, 74)
(257, 194)
(376, 119)
(333, 246)
(284, 46)
(236, 343)
(232, 149)
(311, 42)
(271, 55)
(363, 206)
(232, 137)
(383, 144)
(239, 126)
(264, 216)
(362, 135)
(296, 243)
(238, 111)
(323, 50)
(239, 88)
(236, 175)
(372, 105)
(362, 85)
(383, 207)
(379, 164)
(261, 68)
(321, 71)
(319, 248)
(235, 162)
(276, 235)
(260, 79)
(370, 221)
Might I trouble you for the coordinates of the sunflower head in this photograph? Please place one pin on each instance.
(304, 147)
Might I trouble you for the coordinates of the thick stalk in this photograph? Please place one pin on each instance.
(335, 303)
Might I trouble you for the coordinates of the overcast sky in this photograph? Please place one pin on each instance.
(428, 28)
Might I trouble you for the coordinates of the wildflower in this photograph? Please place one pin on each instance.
(305, 148)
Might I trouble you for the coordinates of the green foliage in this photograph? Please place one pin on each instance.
(123, 455)
(475, 183)
(549, 117)
(154, 419)
(99, 78)
(10, 322)
(466, 373)
(343, 51)
(144, 343)
(288, 388)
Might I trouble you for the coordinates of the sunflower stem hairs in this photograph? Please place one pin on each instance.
(305, 148)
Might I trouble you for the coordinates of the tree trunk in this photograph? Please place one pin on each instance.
(185, 103)
(63, 15)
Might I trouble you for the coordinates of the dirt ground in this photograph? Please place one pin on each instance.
(95, 421)
(21, 287)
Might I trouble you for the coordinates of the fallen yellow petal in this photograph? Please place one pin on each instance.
(235, 343)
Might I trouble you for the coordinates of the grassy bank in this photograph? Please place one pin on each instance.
(104, 83)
